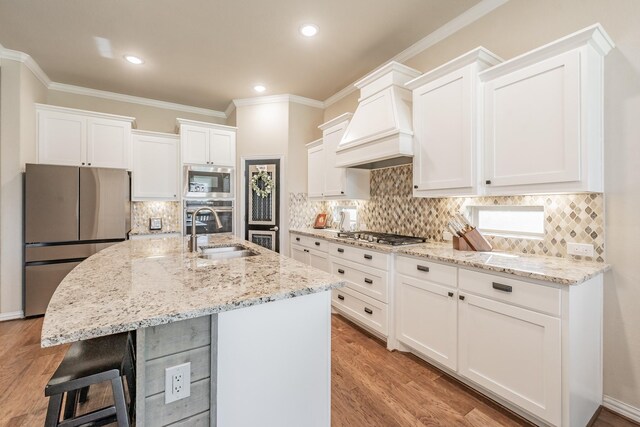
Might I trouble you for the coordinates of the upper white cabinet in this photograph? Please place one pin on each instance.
(325, 179)
(72, 137)
(207, 143)
(543, 118)
(156, 166)
(446, 130)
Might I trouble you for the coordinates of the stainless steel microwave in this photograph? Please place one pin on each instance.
(208, 182)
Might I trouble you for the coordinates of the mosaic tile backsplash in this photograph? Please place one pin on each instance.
(169, 212)
(392, 208)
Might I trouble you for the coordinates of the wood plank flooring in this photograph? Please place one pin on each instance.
(371, 386)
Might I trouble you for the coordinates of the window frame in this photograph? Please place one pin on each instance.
(474, 211)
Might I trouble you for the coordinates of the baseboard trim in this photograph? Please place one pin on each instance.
(11, 315)
(621, 408)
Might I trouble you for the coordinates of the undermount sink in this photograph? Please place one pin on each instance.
(226, 252)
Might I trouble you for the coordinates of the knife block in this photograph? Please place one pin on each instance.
(472, 240)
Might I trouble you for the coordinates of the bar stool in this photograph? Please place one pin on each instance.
(110, 358)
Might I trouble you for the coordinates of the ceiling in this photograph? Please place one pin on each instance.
(205, 53)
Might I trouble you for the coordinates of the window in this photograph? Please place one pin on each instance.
(509, 221)
(352, 212)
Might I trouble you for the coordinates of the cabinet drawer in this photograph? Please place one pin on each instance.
(360, 255)
(370, 281)
(361, 308)
(427, 270)
(537, 297)
(310, 242)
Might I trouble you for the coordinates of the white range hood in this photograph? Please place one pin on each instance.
(381, 132)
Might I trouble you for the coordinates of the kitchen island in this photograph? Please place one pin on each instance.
(255, 329)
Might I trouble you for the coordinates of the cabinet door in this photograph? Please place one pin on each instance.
(513, 352)
(443, 128)
(108, 143)
(155, 167)
(61, 138)
(222, 149)
(316, 171)
(300, 254)
(427, 319)
(319, 260)
(195, 144)
(335, 179)
(532, 124)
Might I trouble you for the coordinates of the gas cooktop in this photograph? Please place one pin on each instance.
(381, 238)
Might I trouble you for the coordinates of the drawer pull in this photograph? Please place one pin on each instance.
(501, 287)
(423, 268)
(366, 256)
(297, 239)
(340, 297)
(461, 297)
(341, 271)
(340, 250)
(368, 310)
(450, 294)
(317, 243)
(369, 281)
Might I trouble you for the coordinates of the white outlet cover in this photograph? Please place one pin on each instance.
(580, 249)
(177, 382)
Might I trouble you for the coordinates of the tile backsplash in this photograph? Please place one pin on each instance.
(141, 212)
(392, 208)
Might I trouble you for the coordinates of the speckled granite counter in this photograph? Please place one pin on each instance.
(550, 269)
(142, 283)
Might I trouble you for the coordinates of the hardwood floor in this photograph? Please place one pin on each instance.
(371, 386)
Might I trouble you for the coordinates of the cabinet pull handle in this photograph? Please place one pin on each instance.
(450, 294)
(340, 297)
(340, 250)
(297, 239)
(423, 268)
(89, 164)
(367, 256)
(317, 243)
(461, 297)
(341, 271)
(368, 310)
(501, 287)
(369, 281)
(488, 182)
(82, 163)
(415, 186)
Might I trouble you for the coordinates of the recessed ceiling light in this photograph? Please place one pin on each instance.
(134, 59)
(259, 88)
(308, 30)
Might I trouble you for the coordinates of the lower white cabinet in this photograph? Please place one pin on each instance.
(427, 319)
(156, 166)
(313, 257)
(512, 352)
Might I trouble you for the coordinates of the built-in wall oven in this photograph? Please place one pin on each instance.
(208, 182)
(205, 221)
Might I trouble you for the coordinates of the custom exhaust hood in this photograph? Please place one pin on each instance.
(380, 133)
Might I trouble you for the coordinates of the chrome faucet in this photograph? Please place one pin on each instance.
(193, 242)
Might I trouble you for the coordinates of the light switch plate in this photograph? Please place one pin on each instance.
(580, 249)
(177, 382)
(155, 223)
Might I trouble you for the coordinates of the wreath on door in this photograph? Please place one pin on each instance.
(267, 184)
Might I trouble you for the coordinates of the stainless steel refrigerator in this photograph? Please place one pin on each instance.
(70, 213)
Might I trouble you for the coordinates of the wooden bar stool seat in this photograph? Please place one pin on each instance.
(110, 358)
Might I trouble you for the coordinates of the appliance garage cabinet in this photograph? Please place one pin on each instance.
(207, 143)
(70, 137)
(156, 166)
(446, 126)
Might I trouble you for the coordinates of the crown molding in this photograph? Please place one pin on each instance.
(230, 109)
(456, 24)
(345, 117)
(278, 98)
(28, 61)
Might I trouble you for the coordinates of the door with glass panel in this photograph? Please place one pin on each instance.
(262, 201)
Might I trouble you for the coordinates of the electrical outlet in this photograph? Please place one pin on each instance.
(177, 382)
(580, 249)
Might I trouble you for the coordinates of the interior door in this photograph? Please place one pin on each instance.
(262, 214)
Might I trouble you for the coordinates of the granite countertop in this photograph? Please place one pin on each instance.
(153, 232)
(142, 283)
(549, 269)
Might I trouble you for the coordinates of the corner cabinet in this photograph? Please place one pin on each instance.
(446, 129)
(207, 143)
(325, 180)
(156, 166)
(543, 125)
(71, 137)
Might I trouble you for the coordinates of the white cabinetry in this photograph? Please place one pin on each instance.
(156, 166)
(325, 179)
(72, 137)
(543, 118)
(445, 124)
(207, 143)
(310, 251)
